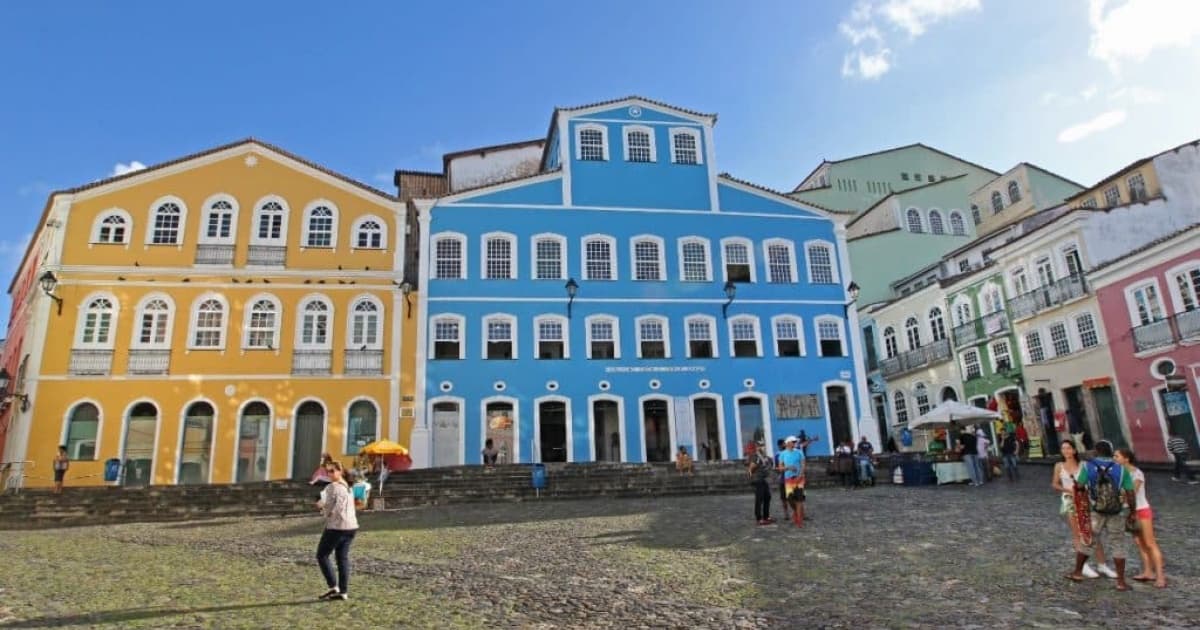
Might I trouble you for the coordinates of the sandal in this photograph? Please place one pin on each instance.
(1073, 577)
(1122, 587)
(1143, 578)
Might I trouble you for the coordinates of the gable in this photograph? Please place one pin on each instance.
(736, 197)
(636, 112)
(543, 190)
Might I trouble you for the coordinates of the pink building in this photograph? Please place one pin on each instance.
(1150, 306)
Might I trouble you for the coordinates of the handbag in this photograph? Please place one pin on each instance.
(1133, 525)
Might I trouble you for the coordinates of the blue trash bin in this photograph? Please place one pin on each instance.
(539, 477)
(112, 469)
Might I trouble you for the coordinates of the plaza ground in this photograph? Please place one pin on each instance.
(882, 557)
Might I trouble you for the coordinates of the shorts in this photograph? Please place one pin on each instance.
(797, 495)
(58, 475)
(1145, 514)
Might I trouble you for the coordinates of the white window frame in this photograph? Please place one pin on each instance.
(934, 336)
(614, 271)
(358, 228)
(113, 313)
(898, 395)
(688, 131)
(962, 224)
(1066, 337)
(965, 370)
(194, 320)
(462, 334)
(1064, 255)
(1131, 301)
(995, 360)
(208, 210)
(305, 228)
(703, 242)
(997, 196)
(507, 318)
(833, 262)
(255, 239)
(711, 322)
(301, 309)
(433, 254)
(99, 224)
(890, 350)
(798, 323)
(579, 129)
(912, 334)
(484, 258)
(349, 406)
(749, 245)
(791, 248)
(666, 328)
(841, 325)
(1017, 288)
(136, 342)
(180, 234)
(616, 328)
(662, 257)
(1178, 301)
(351, 315)
(533, 255)
(754, 322)
(248, 312)
(1013, 186)
(628, 129)
(941, 223)
(537, 334)
(908, 221)
(1041, 346)
(1078, 334)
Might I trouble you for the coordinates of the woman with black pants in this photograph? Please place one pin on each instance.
(760, 471)
(341, 524)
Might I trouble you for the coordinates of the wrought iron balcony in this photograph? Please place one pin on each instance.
(934, 353)
(1045, 298)
(267, 255)
(1187, 324)
(982, 328)
(89, 362)
(143, 361)
(364, 362)
(210, 254)
(1181, 327)
(312, 362)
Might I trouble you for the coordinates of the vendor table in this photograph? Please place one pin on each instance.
(951, 472)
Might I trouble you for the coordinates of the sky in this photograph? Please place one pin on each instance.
(92, 89)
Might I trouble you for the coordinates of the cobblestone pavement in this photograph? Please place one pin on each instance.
(883, 557)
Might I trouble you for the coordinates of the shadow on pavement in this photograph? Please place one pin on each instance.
(139, 614)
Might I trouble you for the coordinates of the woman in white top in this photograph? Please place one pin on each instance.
(1063, 483)
(341, 524)
(1152, 557)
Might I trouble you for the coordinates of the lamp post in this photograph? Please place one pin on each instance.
(406, 289)
(572, 288)
(49, 282)
(730, 293)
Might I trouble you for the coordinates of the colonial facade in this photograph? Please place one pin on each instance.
(626, 300)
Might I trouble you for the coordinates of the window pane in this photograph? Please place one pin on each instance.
(599, 260)
(820, 264)
(779, 260)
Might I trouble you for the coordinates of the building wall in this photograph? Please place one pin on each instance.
(880, 259)
(488, 166)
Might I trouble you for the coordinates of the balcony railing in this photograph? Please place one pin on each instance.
(210, 254)
(267, 255)
(986, 327)
(1181, 327)
(364, 362)
(1047, 297)
(1187, 324)
(149, 361)
(91, 362)
(312, 362)
(934, 353)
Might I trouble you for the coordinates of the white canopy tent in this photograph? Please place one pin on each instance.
(953, 412)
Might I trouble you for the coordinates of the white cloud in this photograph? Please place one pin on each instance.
(1103, 122)
(1138, 95)
(121, 168)
(869, 23)
(1135, 28)
(1089, 92)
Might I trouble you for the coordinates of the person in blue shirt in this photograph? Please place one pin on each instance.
(791, 464)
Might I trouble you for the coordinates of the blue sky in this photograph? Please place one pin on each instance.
(1080, 87)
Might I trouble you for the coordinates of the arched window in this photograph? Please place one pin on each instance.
(935, 222)
(937, 325)
(744, 337)
(499, 253)
(948, 394)
(154, 323)
(499, 341)
(975, 216)
(653, 337)
(694, 263)
(685, 146)
(901, 406)
(957, 227)
(253, 441)
(820, 263)
(313, 331)
(96, 323)
(112, 227)
(364, 325)
(550, 337)
(219, 223)
(912, 330)
(599, 261)
(890, 347)
(270, 222)
(262, 324)
(913, 216)
(830, 337)
(369, 233)
(320, 225)
(195, 450)
(83, 429)
(591, 142)
(166, 223)
(447, 333)
(208, 323)
(1014, 192)
(449, 256)
(701, 341)
(362, 425)
(648, 258)
(997, 202)
(639, 144)
(549, 257)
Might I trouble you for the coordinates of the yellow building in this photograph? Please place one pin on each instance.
(224, 317)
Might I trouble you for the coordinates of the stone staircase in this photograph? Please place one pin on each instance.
(464, 484)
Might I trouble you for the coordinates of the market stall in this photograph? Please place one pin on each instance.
(941, 420)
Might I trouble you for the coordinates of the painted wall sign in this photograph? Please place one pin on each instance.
(797, 406)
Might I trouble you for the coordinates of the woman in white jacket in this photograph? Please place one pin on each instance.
(341, 524)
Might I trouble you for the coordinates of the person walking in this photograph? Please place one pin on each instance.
(1063, 482)
(791, 465)
(61, 463)
(966, 448)
(1178, 448)
(1109, 488)
(1008, 454)
(760, 471)
(341, 525)
(982, 455)
(1152, 557)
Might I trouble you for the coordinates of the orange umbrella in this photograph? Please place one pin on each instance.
(384, 447)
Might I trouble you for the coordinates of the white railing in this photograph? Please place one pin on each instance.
(267, 255)
(88, 362)
(149, 361)
(364, 362)
(210, 254)
(312, 362)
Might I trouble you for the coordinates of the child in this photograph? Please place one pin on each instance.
(683, 462)
(361, 489)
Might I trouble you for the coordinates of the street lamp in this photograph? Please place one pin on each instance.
(406, 289)
(572, 288)
(852, 290)
(49, 282)
(730, 293)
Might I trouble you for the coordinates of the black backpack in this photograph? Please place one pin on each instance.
(1106, 497)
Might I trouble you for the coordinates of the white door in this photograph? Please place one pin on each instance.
(447, 422)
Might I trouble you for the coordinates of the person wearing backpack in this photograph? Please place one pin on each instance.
(1110, 488)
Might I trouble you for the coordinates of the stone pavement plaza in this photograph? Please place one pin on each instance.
(884, 557)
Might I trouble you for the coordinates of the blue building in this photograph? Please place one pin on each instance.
(620, 299)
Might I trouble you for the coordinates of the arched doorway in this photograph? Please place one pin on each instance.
(839, 414)
(552, 431)
(140, 429)
(500, 418)
(195, 449)
(656, 430)
(308, 435)
(446, 431)
(709, 445)
(751, 427)
(362, 426)
(948, 394)
(606, 430)
(254, 435)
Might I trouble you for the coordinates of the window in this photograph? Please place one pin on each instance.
(83, 428)
(112, 227)
(652, 337)
(1001, 357)
(648, 258)
(362, 426)
(781, 264)
(1014, 192)
(971, 366)
(1085, 325)
(639, 144)
(166, 224)
(261, 324)
(320, 225)
(369, 233)
(990, 300)
(1020, 281)
(449, 256)
(935, 222)
(208, 327)
(1033, 347)
(820, 263)
(1187, 283)
(1147, 304)
(550, 337)
(912, 330)
(788, 342)
(598, 261)
(901, 406)
(685, 146)
(975, 216)
(603, 341)
(220, 220)
(96, 323)
(591, 143)
(829, 337)
(913, 217)
(921, 393)
(693, 260)
(738, 260)
(743, 337)
(154, 323)
(700, 337)
(957, 227)
(1090, 202)
(916, 177)
(548, 258)
(447, 337)
(962, 311)
(937, 325)
(930, 178)
(270, 221)
(498, 337)
(904, 176)
(890, 347)
(1045, 272)
(313, 332)
(1071, 258)
(1112, 196)
(997, 202)
(364, 325)
(1137, 187)
(964, 265)
(498, 256)
(1059, 339)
